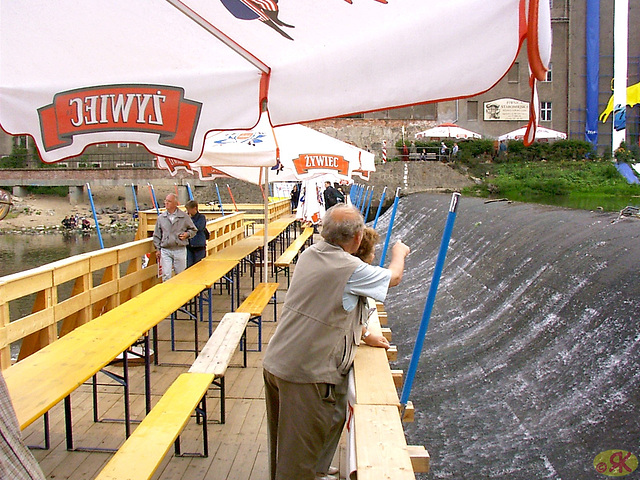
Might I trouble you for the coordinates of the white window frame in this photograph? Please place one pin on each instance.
(546, 109)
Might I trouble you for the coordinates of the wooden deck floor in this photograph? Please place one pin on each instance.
(237, 449)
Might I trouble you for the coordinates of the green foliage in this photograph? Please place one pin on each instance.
(17, 159)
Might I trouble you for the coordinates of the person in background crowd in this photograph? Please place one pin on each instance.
(171, 236)
(197, 248)
(295, 195)
(330, 195)
(443, 151)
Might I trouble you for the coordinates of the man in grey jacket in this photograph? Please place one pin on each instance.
(308, 354)
(171, 236)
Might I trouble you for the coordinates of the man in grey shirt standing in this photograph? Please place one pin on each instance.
(171, 236)
(307, 356)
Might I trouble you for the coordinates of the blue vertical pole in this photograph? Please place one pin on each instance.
(219, 200)
(366, 215)
(384, 193)
(360, 194)
(364, 200)
(155, 201)
(189, 191)
(431, 297)
(391, 220)
(135, 200)
(95, 215)
(592, 32)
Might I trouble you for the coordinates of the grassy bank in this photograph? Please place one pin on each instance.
(584, 184)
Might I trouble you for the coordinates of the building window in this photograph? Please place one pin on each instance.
(472, 111)
(514, 73)
(549, 76)
(123, 145)
(545, 111)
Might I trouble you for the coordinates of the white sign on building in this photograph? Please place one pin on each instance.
(506, 109)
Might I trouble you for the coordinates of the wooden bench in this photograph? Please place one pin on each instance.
(216, 355)
(284, 261)
(255, 304)
(142, 453)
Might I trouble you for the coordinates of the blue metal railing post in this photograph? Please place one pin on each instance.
(135, 200)
(390, 228)
(95, 215)
(384, 193)
(431, 297)
(219, 200)
(155, 201)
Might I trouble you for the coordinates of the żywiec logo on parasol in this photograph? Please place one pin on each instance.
(308, 162)
(135, 108)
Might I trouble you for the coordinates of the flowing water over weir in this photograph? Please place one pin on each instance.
(531, 363)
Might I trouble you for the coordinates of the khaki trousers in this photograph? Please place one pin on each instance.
(299, 416)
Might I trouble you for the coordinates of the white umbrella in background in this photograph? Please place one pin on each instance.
(542, 134)
(448, 130)
(165, 73)
(303, 154)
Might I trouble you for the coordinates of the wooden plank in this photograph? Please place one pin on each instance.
(381, 449)
(256, 302)
(216, 354)
(142, 453)
(420, 459)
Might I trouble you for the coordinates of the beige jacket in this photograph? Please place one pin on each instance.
(314, 340)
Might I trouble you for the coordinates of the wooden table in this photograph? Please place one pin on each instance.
(40, 381)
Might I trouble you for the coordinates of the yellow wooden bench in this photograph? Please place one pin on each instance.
(284, 261)
(142, 453)
(216, 355)
(256, 302)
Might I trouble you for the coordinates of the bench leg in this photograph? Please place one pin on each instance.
(258, 322)
(201, 411)
(47, 438)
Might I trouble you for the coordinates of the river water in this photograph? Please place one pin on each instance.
(19, 252)
(530, 366)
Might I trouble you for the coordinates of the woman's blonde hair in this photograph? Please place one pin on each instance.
(368, 244)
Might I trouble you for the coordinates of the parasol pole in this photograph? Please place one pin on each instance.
(189, 191)
(232, 199)
(153, 198)
(219, 200)
(95, 215)
(431, 297)
(366, 215)
(265, 247)
(384, 193)
(391, 220)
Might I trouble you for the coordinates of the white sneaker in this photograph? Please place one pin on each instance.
(333, 470)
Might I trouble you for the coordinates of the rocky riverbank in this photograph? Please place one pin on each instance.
(38, 214)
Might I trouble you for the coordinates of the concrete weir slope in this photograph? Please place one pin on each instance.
(531, 364)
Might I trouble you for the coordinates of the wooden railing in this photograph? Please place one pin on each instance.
(74, 291)
(252, 212)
